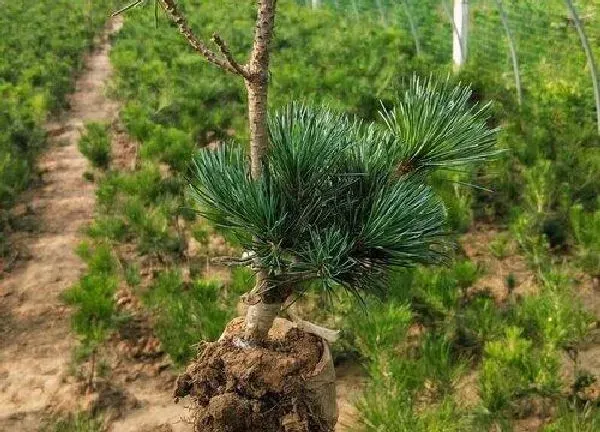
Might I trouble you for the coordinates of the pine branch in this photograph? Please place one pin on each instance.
(179, 19)
(241, 70)
(435, 126)
(265, 22)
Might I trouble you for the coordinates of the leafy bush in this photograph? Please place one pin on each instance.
(512, 368)
(187, 313)
(95, 144)
(43, 43)
(93, 297)
(586, 229)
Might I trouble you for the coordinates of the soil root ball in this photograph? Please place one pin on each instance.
(287, 384)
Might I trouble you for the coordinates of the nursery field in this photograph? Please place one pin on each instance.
(126, 275)
(42, 48)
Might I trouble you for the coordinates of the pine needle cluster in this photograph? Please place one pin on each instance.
(343, 201)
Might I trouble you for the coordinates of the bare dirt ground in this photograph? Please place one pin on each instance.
(476, 244)
(35, 339)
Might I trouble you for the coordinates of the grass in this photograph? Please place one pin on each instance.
(95, 144)
(574, 419)
(187, 313)
(78, 422)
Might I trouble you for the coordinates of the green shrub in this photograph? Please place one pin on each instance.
(439, 363)
(187, 313)
(575, 419)
(554, 316)
(466, 273)
(78, 422)
(500, 245)
(43, 44)
(95, 313)
(479, 322)
(131, 274)
(108, 227)
(513, 368)
(437, 292)
(95, 144)
(382, 328)
(398, 396)
(586, 230)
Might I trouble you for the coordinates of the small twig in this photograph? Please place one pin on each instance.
(126, 8)
(231, 261)
(179, 19)
(227, 53)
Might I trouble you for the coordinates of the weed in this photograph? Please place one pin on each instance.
(132, 275)
(79, 422)
(586, 230)
(500, 245)
(186, 313)
(512, 368)
(95, 144)
(574, 419)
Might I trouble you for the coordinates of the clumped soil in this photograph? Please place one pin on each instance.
(240, 388)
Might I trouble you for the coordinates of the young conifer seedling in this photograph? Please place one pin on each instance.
(340, 201)
(319, 197)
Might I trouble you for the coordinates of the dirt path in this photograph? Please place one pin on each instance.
(35, 339)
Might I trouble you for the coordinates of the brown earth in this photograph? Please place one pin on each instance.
(36, 343)
(239, 387)
(476, 245)
(37, 378)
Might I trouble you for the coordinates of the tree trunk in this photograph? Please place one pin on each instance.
(257, 116)
(263, 306)
(266, 301)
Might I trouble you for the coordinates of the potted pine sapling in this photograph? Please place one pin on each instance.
(323, 199)
(340, 203)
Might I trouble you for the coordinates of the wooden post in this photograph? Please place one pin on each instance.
(461, 28)
(589, 54)
(513, 51)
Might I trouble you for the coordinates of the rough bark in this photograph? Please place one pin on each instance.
(260, 319)
(256, 79)
(257, 116)
(257, 83)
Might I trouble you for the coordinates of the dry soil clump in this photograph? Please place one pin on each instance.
(286, 384)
